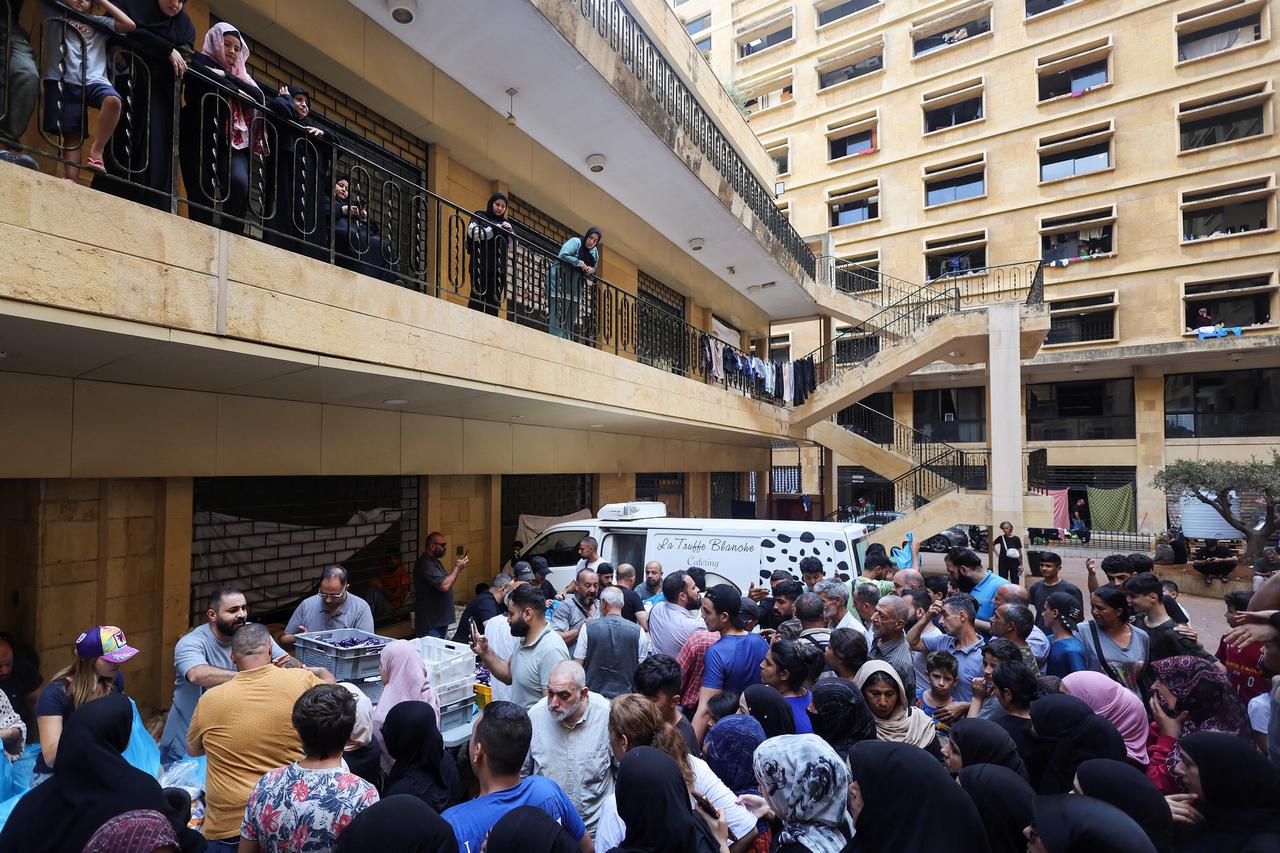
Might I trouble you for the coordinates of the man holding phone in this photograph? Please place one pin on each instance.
(433, 588)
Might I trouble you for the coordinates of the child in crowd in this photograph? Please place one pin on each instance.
(75, 78)
(943, 674)
(1171, 591)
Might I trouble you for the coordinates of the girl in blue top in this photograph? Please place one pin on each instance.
(579, 258)
(1066, 653)
(789, 668)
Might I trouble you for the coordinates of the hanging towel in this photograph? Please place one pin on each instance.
(1113, 509)
(1061, 508)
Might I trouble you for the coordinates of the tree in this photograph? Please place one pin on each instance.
(1212, 481)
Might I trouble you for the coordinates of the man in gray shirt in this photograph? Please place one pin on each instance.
(332, 608)
(540, 648)
(202, 659)
(889, 623)
(433, 588)
(572, 613)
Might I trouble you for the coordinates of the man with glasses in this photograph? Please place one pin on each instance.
(433, 589)
(333, 607)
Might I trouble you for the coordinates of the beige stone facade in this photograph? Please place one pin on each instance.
(1008, 86)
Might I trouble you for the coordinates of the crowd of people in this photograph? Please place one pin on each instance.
(646, 712)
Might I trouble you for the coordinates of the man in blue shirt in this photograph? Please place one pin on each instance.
(733, 662)
(965, 568)
(498, 748)
(962, 640)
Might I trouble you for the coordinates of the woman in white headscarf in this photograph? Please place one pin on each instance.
(897, 720)
(806, 785)
(362, 753)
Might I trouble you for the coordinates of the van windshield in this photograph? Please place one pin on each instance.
(560, 547)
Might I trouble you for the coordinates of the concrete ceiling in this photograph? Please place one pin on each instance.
(135, 354)
(572, 111)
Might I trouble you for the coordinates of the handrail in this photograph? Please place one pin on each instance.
(998, 283)
(864, 282)
(615, 24)
(387, 226)
(917, 445)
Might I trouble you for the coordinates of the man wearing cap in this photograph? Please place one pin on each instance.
(483, 607)
(733, 662)
(332, 608)
(102, 649)
(202, 659)
(540, 571)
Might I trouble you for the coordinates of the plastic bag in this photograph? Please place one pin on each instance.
(186, 773)
(142, 751)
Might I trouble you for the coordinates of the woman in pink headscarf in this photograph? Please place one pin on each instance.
(404, 679)
(219, 129)
(1118, 705)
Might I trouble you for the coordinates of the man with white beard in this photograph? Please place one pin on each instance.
(570, 743)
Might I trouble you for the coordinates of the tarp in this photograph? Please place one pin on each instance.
(1113, 509)
(530, 527)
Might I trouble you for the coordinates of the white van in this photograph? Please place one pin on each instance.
(733, 551)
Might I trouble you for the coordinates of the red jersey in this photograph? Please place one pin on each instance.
(1244, 669)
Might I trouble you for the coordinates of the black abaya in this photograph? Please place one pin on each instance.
(300, 162)
(1003, 799)
(526, 829)
(1241, 804)
(488, 243)
(900, 784)
(422, 767)
(398, 824)
(981, 741)
(769, 707)
(1127, 788)
(1068, 823)
(653, 801)
(1067, 733)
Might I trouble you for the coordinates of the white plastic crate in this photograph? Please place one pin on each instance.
(446, 662)
(458, 690)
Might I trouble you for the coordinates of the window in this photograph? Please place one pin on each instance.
(827, 79)
(703, 46)
(697, 25)
(1074, 72)
(848, 138)
(1079, 236)
(1221, 211)
(856, 204)
(1093, 410)
(781, 154)
(955, 256)
(951, 414)
(1223, 118)
(857, 274)
(954, 105)
(1218, 27)
(1083, 319)
(1226, 404)
(1236, 302)
(1078, 152)
(780, 347)
(765, 37)
(1035, 7)
(830, 12)
(958, 181)
(952, 28)
(778, 92)
(854, 345)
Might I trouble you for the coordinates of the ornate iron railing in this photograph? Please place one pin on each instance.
(627, 38)
(1019, 282)
(311, 193)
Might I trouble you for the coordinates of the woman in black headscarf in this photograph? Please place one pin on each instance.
(569, 300)
(1070, 823)
(1236, 793)
(489, 237)
(300, 159)
(770, 709)
(398, 824)
(94, 783)
(1066, 733)
(653, 801)
(893, 785)
(527, 829)
(840, 715)
(140, 156)
(1128, 789)
(1003, 799)
(422, 768)
(974, 740)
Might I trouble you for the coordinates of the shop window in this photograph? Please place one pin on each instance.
(1224, 404)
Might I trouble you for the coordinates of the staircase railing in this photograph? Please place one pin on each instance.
(1018, 282)
(866, 283)
(896, 322)
(893, 435)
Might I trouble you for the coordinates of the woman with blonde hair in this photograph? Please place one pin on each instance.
(635, 721)
(94, 673)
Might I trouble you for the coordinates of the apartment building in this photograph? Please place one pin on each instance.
(1128, 146)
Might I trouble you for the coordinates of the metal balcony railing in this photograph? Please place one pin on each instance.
(314, 194)
(627, 38)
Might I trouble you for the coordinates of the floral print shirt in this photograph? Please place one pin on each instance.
(295, 810)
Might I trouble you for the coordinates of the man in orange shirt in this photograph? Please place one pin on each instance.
(245, 727)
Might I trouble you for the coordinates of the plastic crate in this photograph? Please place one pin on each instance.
(371, 689)
(456, 714)
(316, 648)
(446, 662)
(454, 691)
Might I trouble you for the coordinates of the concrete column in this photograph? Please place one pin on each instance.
(904, 407)
(1004, 376)
(830, 482)
(762, 492)
(1148, 392)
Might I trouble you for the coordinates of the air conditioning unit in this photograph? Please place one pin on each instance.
(632, 511)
